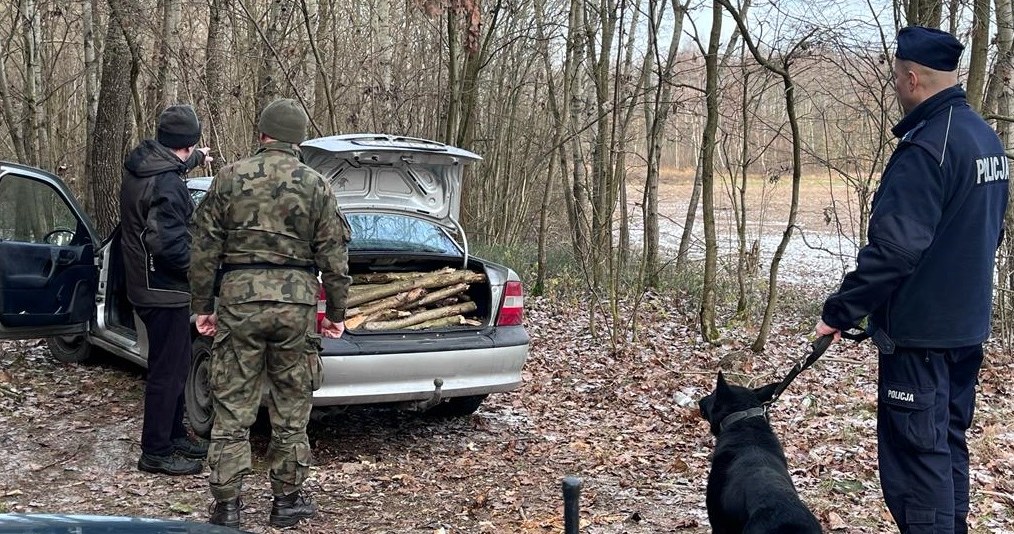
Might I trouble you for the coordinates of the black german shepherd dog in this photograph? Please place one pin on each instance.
(749, 487)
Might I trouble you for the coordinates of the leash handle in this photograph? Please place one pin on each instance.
(854, 334)
(819, 347)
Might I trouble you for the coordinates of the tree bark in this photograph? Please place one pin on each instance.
(389, 303)
(422, 317)
(708, 299)
(35, 134)
(979, 51)
(214, 70)
(362, 294)
(656, 115)
(162, 88)
(112, 126)
(439, 323)
(88, 22)
(383, 278)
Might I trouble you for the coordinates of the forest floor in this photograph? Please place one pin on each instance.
(623, 420)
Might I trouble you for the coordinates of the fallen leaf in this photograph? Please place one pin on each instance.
(835, 521)
(181, 508)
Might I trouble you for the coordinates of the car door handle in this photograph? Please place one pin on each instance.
(66, 257)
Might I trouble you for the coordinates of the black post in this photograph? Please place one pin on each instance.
(571, 505)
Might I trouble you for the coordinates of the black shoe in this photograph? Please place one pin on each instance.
(187, 448)
(287, 510)
(226, 513)
(169, 464)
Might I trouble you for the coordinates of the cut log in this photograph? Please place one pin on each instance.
(383, 278)
(421, 317)
(437, 295)
(380, 315)
(367, 293)
(442, 322)
(396, 301)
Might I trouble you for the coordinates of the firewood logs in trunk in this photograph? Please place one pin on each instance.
(411, 300)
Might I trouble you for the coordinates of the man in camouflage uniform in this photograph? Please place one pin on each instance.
(268, 224)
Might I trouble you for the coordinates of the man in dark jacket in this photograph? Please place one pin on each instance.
(925, 283)
(155, 208)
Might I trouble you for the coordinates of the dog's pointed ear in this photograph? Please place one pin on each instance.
(721, 384)
(766, 393)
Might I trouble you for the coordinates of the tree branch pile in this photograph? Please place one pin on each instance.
(412, 300)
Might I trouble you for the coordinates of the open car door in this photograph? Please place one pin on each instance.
(48, 274)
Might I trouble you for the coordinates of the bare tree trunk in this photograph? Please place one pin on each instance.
(112, 126)
(688, 222)
(560, 117)
(998, 101)
(739, 196)
(656, 115)
(603, 201)
(91, 90)
(162, 90)
(214, 70)
(453, 71)
(10, 115)
(632, 95)
(576, 189)
(1003, 68)
(924, 13)
(709, 331)
(267, 68)
(323, 90)
(980, 49)
(35, 132)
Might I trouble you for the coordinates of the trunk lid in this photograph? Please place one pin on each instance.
(377, 172)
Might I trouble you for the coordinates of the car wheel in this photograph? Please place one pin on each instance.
(70, 349)
(457, 406)
(197, 393)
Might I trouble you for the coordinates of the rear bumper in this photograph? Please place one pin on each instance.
(403, 368)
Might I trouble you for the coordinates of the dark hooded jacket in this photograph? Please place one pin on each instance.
(155, 207)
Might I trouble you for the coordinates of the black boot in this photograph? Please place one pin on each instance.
(169, 464)
(188, 448)
(226, 513)
(287, 510)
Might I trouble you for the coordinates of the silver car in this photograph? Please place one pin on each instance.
(402, 197)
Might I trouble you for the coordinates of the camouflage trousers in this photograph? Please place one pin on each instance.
(257, 342)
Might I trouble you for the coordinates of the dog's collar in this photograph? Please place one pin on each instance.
(735, 417)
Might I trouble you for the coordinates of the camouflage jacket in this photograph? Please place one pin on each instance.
(269, 222)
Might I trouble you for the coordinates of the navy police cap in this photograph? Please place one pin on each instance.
(930, 47)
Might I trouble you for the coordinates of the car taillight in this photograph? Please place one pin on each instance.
(321, 307)
(512, 307)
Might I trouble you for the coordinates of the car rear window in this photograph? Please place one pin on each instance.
(385, 232)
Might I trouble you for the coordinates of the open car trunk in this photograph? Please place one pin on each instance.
(410, 294)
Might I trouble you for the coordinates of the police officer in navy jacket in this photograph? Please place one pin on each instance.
(925, 283)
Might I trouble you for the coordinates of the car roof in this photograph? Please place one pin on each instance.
(370, 142)
(200, 183)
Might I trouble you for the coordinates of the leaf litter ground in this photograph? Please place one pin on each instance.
(623, 421)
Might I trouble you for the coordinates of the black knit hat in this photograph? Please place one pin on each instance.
(178, 127)
(930, 47)
(284, 120)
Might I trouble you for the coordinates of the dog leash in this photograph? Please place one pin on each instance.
(818, 348)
